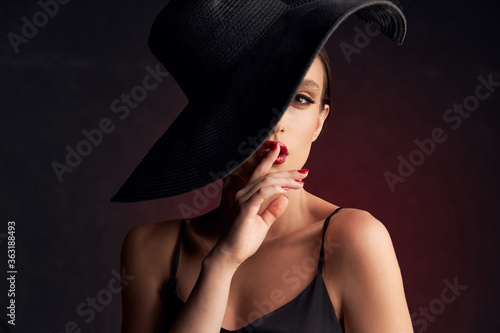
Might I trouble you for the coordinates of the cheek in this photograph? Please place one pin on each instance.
(301, 129)
(304, 124)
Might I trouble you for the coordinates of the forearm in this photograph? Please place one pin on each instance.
(205, 308)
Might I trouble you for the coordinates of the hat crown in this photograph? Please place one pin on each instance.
(198, 41)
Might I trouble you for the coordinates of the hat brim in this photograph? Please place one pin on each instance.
(215, 134)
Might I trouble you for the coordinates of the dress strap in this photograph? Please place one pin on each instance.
(176, 260)
(321, 254)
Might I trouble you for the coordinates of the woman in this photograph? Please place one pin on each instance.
(272, 257)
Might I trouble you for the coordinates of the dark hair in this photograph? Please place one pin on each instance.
(327, 81)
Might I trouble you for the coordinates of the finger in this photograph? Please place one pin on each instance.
(284, 182)
(275, 209)
(266, 163)
(283, 178)
(251, 206)
(291, 179)
(295, 174)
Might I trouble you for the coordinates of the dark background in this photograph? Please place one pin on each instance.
(443, 218)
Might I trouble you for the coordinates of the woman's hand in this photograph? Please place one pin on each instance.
(249, 228)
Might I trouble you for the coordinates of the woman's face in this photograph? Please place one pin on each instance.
(300, 125)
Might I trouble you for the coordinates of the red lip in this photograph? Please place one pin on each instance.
(266, 147)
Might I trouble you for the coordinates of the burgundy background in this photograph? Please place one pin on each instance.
(443, 219)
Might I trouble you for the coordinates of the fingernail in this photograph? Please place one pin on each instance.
(303, 171)
(299, 181)
(285, 188)
(275, 146)
(286, 197)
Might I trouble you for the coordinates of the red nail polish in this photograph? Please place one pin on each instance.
(285, 188)
(275, 146)
(303, 171)
(299, 181)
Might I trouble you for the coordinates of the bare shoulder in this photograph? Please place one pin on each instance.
(146, 257)
(359, 229)
(351, 227)
(153, 233)
(151, 247)
(366, 273)
(363, 242)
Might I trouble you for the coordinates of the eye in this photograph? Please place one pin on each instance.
(303, 99)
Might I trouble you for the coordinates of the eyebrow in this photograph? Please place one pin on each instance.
(311, 84)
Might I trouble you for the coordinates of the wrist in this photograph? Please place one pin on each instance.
(221, 262)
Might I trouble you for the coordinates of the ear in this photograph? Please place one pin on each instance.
(321, 120)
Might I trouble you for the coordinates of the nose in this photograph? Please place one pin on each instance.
(280, 126)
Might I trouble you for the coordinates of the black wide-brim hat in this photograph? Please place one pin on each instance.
(240, 64)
